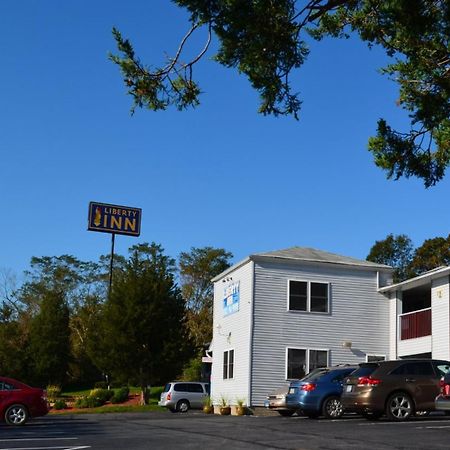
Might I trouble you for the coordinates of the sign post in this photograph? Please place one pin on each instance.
(114, 219)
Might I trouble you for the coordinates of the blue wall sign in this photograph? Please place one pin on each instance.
(231, 296)
(114, 219)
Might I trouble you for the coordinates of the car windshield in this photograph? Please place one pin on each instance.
(315, 374)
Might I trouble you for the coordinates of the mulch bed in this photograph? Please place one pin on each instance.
(133, 400)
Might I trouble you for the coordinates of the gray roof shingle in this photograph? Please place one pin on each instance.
(314, 255)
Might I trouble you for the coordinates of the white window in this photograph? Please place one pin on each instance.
(301, 361)
(375, 358)
(228, 364)
(309, 296)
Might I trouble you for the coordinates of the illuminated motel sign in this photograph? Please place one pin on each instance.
(114, 219)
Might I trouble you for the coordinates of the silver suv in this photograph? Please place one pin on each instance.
(179, 396)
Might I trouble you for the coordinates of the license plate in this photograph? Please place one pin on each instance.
(349, 388)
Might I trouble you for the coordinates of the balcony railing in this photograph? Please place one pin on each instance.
(415, 324)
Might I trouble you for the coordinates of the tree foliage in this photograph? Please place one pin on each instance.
(197, 268)
(398, 252)
(395, 251)
(267, 40)
(142, 335)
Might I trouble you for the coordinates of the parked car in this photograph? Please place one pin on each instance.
(179, 396)
(19, 402)
(442, 402)
(319, 393)
(397, 388)
(276, 401)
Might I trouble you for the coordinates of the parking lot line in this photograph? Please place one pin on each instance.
(39, 439)
(48, 448)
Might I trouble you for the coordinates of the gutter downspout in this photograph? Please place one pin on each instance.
(251, 331)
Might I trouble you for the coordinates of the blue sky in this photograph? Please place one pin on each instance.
(220, 175)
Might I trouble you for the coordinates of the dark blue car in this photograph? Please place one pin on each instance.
(319, 393)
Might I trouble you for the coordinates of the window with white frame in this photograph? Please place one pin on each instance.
(228, 364)
(375, 358)
(300, 361)
(309, 296)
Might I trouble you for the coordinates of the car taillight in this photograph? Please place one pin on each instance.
(168, 396)
(368, 381)
(308, 387)
(445, 387)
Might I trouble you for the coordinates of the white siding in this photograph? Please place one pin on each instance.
(440, 318)
(394, 309)
(357, 313)
(414, 346)
(238, 324)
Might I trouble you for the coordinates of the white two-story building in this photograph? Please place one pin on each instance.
(280, 314)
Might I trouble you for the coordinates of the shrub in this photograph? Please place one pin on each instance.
(101, 394)
(121, 395)
(193, 370)
(53, 392)
(60, 404)
(88, 402)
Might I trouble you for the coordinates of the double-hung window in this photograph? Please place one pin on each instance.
(309, 296)
(228, 364)
(302, 361)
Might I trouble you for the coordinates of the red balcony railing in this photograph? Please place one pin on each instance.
(415, 324)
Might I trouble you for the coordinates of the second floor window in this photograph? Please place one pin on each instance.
(228, 364)
(308, 296)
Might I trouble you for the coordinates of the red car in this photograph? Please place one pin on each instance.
(19, 402)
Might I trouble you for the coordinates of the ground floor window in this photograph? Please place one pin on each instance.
(300, 361)
(375, 358)
(228, 364)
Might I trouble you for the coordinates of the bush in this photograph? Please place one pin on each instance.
(53, 392)
(60, 404)
(121, 395)
(193, 370)
(101, 394)
(88, 402)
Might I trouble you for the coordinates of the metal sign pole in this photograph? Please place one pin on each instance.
(113, 236)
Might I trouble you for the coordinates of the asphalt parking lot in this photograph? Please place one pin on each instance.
(194, 430)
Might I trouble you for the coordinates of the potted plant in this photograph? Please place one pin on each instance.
(224, 408)
(207, 405)
(241, 409)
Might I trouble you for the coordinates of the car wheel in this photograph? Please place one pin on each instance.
(16, 415)
(183, 406)
(285, 412)
(332, 408)
(399, 407)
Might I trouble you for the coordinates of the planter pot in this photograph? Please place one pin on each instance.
(208, 409)
(241, 410)
(225, 410)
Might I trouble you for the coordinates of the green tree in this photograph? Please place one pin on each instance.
(267, 40)
(197, 268)
(395, 251)
(431, 254)
(143, 337)
(50, 340)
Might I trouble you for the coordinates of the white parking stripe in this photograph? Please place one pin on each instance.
(47, 448)
(39, 439)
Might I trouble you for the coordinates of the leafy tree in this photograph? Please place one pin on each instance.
(395, 251)
(431, 254)
(50, 340)
(197, 268)
(143, 335)
(266, 40)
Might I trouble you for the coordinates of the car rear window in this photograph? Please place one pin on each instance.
(315, 374)
(167, 387)
(365, 370)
